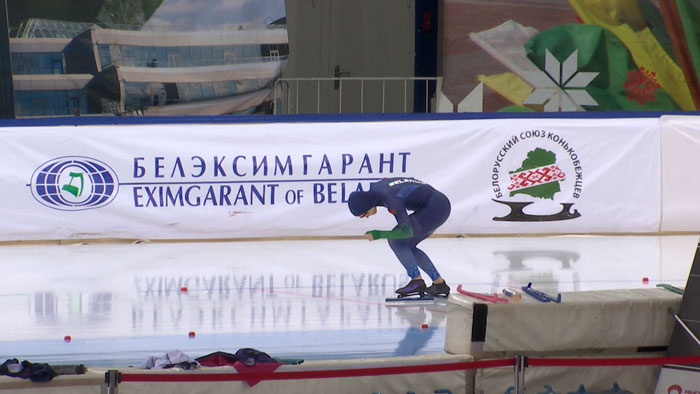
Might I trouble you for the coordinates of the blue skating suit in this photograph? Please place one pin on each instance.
(430, 209)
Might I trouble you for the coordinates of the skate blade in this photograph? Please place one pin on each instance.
(440, 299)
(410, 300)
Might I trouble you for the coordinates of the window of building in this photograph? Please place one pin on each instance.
(207, 90)
(150, 56)
(37, 63)
(180, 56)
(57, 64)
(231, 87)
(239, 52)
(220, 89)
(207, 55)
(104, 54)
(171, 94)
(183, 91)
(184, 56)
(127, 55)
(248, 51)
(19, 63)
(218, 54)
(229, 55)
(156, 92)
(115, 52)
(196, 90)
(196, 56)
(50, 102)
(43, 64)
(136, 95)
(139, 57)
(38, 104)
(162, 57)
(173, 57)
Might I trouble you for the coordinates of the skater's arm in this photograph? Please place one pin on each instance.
(403, 229)
(397, 233)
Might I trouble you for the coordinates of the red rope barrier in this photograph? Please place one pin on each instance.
(321, 374)
(406, 369)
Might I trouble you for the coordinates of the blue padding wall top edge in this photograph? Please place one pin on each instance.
(307, 118)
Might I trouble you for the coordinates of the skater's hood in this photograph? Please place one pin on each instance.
(361, 202)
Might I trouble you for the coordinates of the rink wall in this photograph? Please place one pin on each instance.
(200, 179)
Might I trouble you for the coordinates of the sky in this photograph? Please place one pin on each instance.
(200, 14)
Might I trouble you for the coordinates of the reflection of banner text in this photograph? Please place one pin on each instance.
(262, 301)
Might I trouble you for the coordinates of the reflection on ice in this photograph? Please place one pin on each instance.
(114, 298)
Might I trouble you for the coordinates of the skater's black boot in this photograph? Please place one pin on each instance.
(438, 289)
(414, 287)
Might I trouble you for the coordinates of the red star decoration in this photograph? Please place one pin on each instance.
(641, 86)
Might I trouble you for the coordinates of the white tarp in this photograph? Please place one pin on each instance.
(680, 150)
(259, 180)
(636, 379)
(612, 317)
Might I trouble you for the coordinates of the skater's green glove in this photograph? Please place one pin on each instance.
(393, 234)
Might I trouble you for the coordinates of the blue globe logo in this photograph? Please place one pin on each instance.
(74, 183)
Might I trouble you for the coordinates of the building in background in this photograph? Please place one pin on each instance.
(42, 84)
(89, 66)
(7, 102)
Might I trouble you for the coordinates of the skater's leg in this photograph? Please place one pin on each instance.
(425, 264)
(402, 248)
(424, 223)
(439, 287)
(421, 232)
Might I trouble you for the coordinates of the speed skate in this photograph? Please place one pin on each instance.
(415, 300)
(416, 292)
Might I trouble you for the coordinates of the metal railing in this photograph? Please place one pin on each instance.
(353, 95)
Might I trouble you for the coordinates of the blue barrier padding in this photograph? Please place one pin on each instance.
(315, 118)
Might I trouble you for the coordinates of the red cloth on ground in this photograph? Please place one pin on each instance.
(255, 369)
(217, 360)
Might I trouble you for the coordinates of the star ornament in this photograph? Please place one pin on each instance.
(562, 87)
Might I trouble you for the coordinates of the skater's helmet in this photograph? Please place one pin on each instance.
(361, 202)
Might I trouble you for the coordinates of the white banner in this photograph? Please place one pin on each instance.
(263, 180)
(680, 149)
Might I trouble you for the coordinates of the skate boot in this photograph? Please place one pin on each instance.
(414, 287)
(438, 289)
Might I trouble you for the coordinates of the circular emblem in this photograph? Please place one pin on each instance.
(74, 183)
(675, 389)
